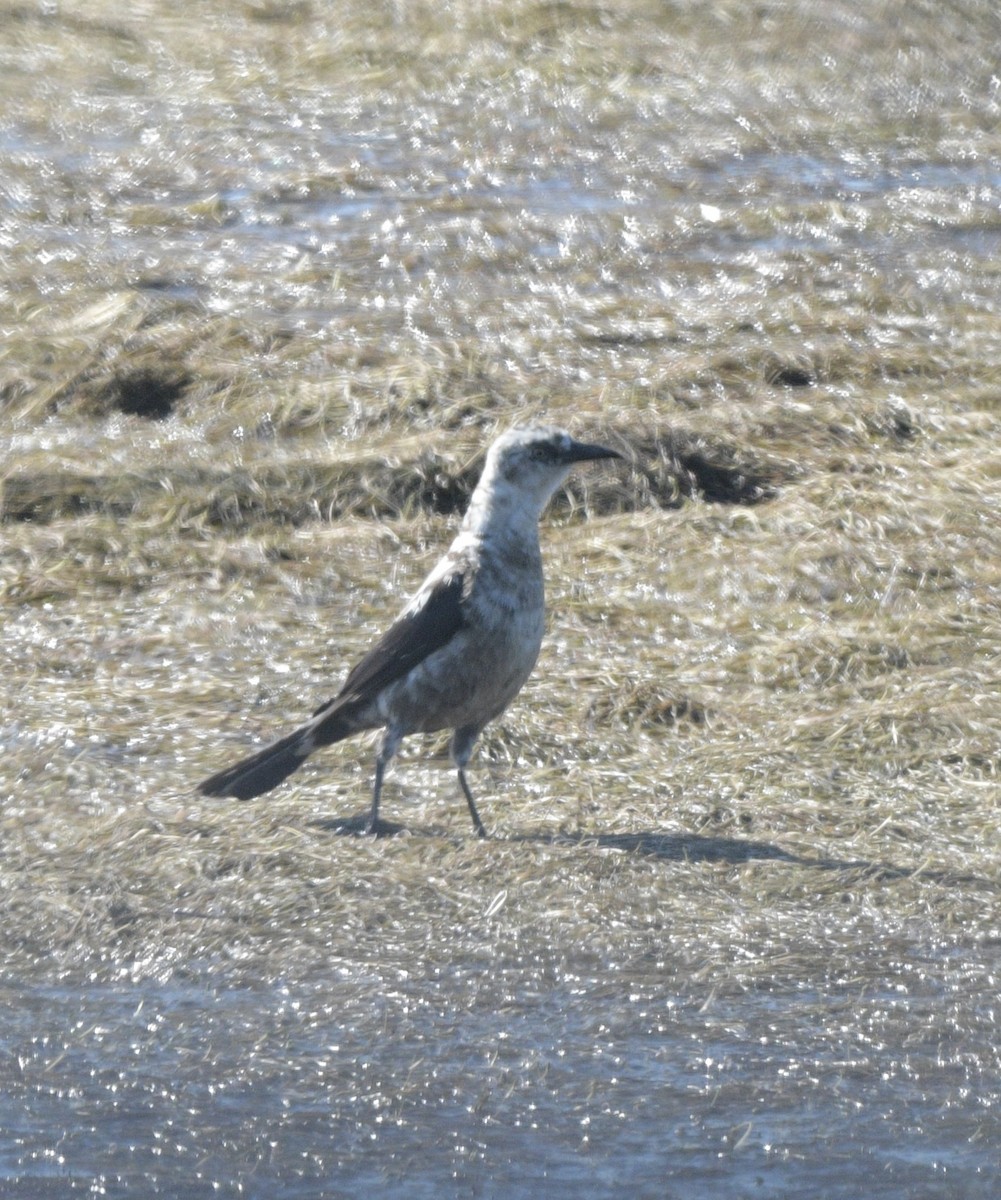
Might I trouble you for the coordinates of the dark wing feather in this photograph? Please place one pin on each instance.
(415, 635)
(433, 619)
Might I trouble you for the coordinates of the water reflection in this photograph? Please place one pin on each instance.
(492, 1082)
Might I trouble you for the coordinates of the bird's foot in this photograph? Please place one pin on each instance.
(381, 828)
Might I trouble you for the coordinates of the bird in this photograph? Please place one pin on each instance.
(464, 644)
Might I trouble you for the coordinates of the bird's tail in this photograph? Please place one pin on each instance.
(268, 767)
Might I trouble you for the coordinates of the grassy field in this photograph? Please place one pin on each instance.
(268, 293)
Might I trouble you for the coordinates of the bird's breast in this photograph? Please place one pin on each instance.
(477, 674)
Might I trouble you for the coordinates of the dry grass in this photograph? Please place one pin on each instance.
(242, 403)
(806, 681)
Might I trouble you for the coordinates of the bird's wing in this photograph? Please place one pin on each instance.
(432, 618)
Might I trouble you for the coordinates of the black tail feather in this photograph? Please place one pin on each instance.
(266, 769)
(261, 771)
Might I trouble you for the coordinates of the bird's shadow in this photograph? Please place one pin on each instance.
(671, 847)
(359, 827)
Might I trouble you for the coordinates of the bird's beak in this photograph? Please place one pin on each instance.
(586, 451)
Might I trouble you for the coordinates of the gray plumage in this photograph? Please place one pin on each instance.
(463, 647)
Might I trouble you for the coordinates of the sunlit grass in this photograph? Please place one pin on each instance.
(247, 375)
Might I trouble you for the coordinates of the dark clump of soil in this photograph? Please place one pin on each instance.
(146, 392)
(792, 377)
(677, 464)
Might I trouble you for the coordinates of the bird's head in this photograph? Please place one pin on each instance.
(527, 464)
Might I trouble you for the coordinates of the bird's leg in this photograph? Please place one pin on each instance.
(477, 823)
(388, 747)
(462, 748)
(373, 817)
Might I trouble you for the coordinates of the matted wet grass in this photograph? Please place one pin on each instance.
(737, 918)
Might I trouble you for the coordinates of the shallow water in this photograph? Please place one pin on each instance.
(475, 1082)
